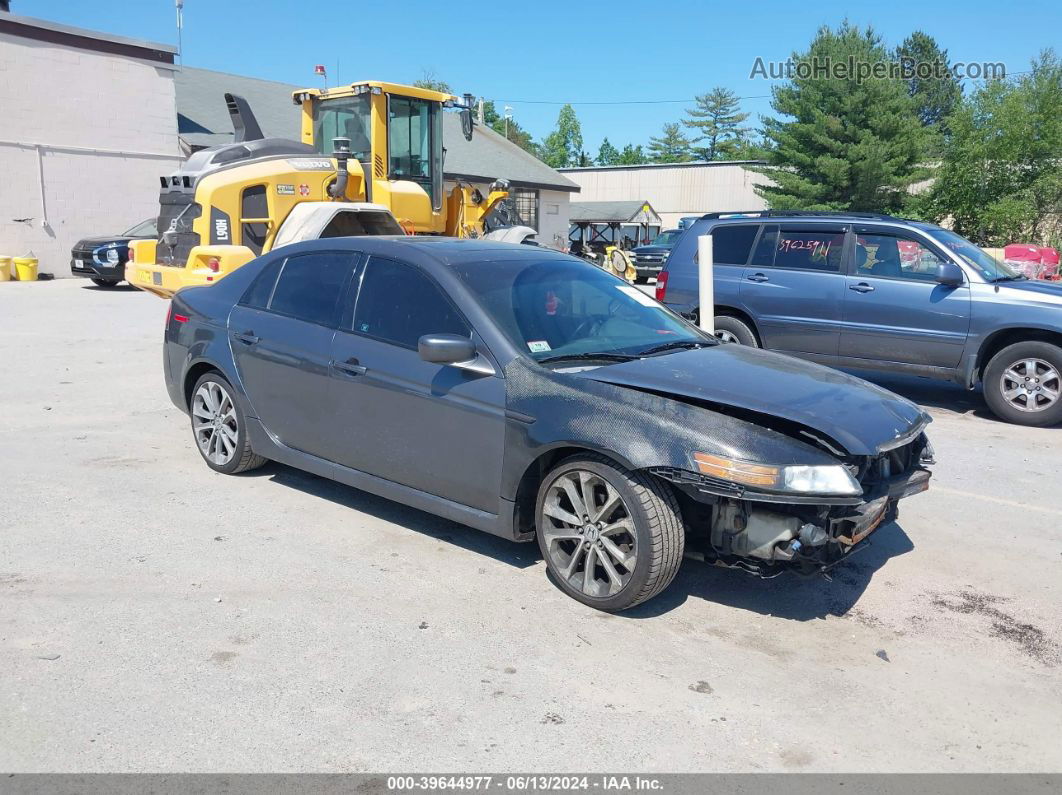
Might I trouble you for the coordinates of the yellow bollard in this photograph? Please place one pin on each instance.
(26, 268)
(5, 269)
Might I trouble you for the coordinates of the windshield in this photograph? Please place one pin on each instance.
(667, 238)
(343, 117)
(143, 229)
(989, 267)
(560, 307)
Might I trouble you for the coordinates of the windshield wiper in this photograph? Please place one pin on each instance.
(677, 345)
(577, 357)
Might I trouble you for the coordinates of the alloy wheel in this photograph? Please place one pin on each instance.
(214, 423)
(589, 533)
(726, 336)
(1030, 385)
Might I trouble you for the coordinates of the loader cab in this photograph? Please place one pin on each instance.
(395, 134)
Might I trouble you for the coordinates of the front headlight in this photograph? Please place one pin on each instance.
(112, 256)
(831, 479)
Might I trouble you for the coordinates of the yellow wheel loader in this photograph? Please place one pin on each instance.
(375, 148)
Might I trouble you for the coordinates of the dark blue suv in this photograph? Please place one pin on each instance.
(882, 293)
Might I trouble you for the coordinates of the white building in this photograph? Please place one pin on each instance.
(674, 189)
(86, 125)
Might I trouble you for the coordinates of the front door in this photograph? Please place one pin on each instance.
(793, 288)
(894, 308)
(436, 428)
(281, 339)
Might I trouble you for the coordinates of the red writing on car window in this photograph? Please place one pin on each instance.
(818, 248)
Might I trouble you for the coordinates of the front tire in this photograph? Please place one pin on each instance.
(1022, 384)
(611, 538)
(104, 282)
(219, 427)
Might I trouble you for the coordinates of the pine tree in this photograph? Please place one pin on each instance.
(563, 146)
(848, 144)
(607, 154)
(936, 91)
(671, 147)
(717, 122)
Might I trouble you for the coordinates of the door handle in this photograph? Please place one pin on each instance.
(862, 287)
(351, 367)
(758, 277)
(248, 337)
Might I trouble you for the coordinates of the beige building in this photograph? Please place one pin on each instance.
(86, 127)
(674, 189)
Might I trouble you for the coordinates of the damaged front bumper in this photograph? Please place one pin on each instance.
(769, 533)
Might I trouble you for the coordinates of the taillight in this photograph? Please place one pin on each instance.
(129, 257)
(661, 286)
(214, 264)
(181, 318)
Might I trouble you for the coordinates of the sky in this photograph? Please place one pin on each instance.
(627, 67)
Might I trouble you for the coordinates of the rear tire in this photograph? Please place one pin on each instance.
(104, 282)
(219, 427)
(632, 535)
(730, 329)
(1022, 384)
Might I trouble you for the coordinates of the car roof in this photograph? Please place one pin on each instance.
(805, 216)
(418, 248)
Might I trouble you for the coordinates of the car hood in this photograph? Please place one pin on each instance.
(861, 417)
(103, 240)
(1033, 290)
(651, 250)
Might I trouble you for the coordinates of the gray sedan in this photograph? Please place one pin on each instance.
(531, 395)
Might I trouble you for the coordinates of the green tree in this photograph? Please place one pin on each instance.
(430, 81)
(607, 154)
(931, 82)
(632, 156)
(1000, 178)
(671, 147)
(563, 146)
(845, 144)
(716, 121)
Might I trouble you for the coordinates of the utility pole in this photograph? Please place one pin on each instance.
(180, 29)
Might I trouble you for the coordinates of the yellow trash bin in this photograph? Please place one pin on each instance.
(26, 268)
(5, 269)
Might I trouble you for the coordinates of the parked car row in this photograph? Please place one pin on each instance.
(879, 293)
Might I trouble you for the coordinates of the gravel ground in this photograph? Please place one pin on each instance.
(155, 616)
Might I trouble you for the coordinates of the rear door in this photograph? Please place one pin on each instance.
(429, 426)
(894, 309)
(794, 287)
(281, 339)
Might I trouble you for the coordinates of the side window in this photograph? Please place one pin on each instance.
(763, 256)
(810, 249)
(310, 285)
(889, 257)
(397, 303)
(257, 295)
(253, 205)
(731, 244)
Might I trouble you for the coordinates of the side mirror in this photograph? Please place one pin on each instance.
(466, 123)
(445, 348)
(949, 274)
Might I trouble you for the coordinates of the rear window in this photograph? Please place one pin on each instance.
(801, 249)
(310, 285)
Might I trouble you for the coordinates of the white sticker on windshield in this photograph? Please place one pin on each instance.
(637, 295)
(538, 346)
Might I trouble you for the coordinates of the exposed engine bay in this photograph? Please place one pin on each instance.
(766, 534)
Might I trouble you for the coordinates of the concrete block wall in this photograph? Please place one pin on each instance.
(100, 128)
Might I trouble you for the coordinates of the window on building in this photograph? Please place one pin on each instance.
(526, 202)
